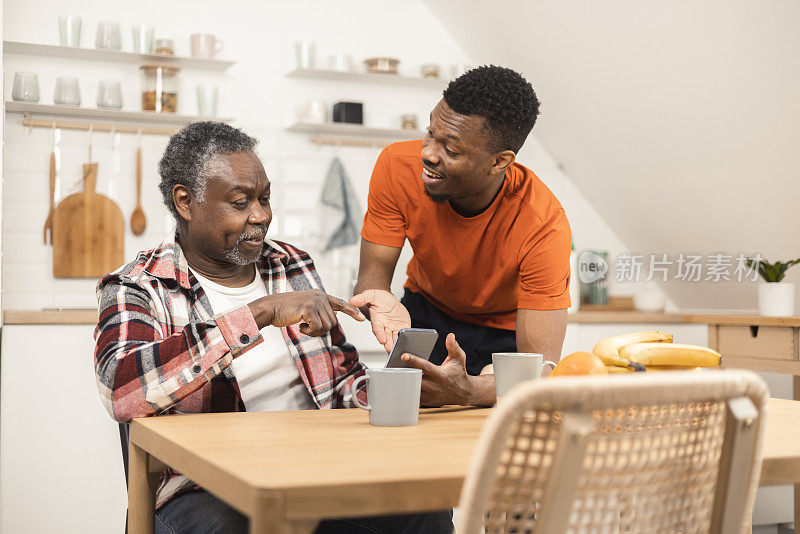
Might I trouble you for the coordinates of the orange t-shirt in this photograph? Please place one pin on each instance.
(481, 269)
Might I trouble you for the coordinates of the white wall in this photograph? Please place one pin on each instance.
(261, 99)
(678, 120)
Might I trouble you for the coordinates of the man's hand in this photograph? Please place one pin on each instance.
(386, 313)
(449, 383)
(315, 310)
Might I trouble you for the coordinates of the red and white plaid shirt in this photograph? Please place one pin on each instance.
(161, 350)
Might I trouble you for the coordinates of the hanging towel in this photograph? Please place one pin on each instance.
(341, 213)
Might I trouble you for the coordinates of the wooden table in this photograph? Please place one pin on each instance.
(288, 470)
(769, 344)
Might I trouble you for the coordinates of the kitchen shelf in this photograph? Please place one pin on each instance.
(109, 115)
(371, 77)
(352, 134)
(115, 56)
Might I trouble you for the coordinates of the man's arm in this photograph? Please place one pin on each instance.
(541, 331)
(139, 371)
(376, 267)
(373, 292)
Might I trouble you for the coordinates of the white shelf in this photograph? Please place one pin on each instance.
(386, 79)
(114, 56)
(338, 130)
(111, 115)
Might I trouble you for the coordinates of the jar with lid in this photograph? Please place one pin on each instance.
(165, 47)
(160, 88)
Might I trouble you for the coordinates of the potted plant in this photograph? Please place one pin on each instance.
(775, 298)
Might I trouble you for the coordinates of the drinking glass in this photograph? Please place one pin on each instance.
(143, 38)
(207, 100)
(68, 92)
(305, 54)
(69, 30)
(108, 35)
(26, 87)
(109, 94)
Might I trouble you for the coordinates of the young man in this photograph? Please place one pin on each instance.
(491, 243)
(220, 319)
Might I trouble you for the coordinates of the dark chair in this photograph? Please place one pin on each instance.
(123, 439)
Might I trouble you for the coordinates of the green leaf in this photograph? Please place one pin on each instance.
(772, 272)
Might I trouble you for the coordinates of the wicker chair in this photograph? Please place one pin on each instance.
(644, 453)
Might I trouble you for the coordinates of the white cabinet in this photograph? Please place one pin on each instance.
(60, 461)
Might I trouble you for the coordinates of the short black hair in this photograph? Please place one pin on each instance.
(502, 97)
(188, 153)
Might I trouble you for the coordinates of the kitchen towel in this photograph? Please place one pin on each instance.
(341, 211)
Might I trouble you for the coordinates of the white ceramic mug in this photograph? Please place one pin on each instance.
(205, 45)
(314, 112)
(341, 62)
(392, 396)
(511, 368)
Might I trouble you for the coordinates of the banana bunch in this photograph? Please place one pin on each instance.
(652, 351)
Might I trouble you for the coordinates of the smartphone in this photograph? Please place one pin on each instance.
(416, 341)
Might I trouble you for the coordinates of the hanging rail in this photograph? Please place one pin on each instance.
(93, 125)
(318, 140)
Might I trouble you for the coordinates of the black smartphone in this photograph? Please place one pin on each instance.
(416, 341)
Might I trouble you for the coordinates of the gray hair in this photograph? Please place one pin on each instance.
(192, 155)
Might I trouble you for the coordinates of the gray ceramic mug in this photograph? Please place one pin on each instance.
(392, 396)
(511, 368)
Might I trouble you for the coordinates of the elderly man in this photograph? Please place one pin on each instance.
(221, 319)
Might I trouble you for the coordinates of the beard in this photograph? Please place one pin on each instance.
(239, 256)
(439, 199)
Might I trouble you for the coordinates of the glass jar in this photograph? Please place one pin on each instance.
(165, 47)
(408, 121)
(160, 88)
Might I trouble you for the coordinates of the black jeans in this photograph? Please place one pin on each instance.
(199, 512)
(478, 342)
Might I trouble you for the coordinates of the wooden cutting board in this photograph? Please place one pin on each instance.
(88, 232)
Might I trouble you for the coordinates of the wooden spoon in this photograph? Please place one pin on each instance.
(48, 223)
(138, 220)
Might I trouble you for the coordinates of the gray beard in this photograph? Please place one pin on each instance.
(238, 257)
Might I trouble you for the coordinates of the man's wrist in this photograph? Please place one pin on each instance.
(263, 311)
(482, 392)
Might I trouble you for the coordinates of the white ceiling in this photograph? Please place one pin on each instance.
(680, 121)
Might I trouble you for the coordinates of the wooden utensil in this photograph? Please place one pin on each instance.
(138, 220)
(48, 223)
(88, 232)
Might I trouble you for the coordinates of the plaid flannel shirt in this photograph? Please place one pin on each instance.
(161, 350)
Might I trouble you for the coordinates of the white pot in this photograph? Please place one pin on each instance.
(776, 299)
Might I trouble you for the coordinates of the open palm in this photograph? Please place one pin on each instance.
(386, 313)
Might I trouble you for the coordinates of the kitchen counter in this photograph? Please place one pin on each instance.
(582, 317)
(90, 317)
(34, 317)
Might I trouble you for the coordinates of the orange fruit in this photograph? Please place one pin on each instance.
(580, 363)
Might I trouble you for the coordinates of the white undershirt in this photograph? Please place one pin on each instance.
(267, 376)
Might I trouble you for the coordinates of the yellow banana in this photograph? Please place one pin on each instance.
(616, 369)
(671, 354)
(672, 368)
(608, 349)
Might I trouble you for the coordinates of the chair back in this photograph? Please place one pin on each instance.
(647, 453)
